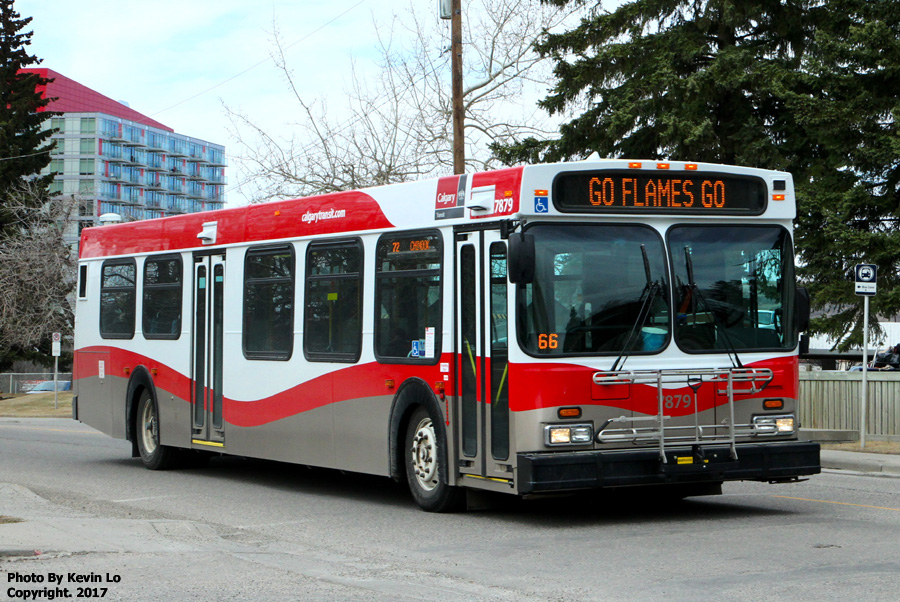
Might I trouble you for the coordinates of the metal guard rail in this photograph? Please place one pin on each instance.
(728, 382)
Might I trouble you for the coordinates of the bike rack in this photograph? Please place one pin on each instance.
(728, 382)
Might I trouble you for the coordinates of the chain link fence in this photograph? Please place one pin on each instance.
(23, 382)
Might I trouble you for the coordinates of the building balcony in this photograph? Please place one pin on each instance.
(217, 159)
(135, 161)
(134, 141)
(176, 150)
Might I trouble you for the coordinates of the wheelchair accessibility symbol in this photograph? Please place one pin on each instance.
(541, 204)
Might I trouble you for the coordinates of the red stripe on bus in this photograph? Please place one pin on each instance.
(326, 214)
(534, 386)
(531, 386)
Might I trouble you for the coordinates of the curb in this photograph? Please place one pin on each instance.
(882, 464)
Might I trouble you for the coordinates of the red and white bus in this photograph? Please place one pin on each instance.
(531, 330)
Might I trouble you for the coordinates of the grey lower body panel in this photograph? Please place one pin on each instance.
(538, 472)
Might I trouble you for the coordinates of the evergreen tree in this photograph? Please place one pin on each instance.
(801, 85)
(700, 81)
(849, 184)
(23, 143)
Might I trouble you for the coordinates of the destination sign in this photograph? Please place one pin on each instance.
(632, 191)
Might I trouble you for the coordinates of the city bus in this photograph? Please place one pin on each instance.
(533, 330)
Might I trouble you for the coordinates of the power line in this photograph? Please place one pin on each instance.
(252, 67)
(352, 121)
(339, 130)
(43, 152)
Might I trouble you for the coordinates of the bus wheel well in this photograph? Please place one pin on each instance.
(412, 394)
(139, 382)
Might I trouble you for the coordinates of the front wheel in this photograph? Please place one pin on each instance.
(424, 463)
(153, 455)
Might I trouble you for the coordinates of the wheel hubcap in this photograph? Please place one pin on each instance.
(423, 453)
(148, 431)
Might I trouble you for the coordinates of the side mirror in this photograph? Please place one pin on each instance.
(521, 257)
(804, 344)
(801, 308)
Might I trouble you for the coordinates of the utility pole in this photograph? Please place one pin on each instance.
(459, 149)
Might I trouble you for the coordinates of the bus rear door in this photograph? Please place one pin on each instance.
(206, 367)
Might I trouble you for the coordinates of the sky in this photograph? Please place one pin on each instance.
(180, 61)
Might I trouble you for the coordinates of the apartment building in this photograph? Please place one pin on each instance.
(117, 160)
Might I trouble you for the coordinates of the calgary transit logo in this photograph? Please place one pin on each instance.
(315, 216)
(450, 197)
(445, 201)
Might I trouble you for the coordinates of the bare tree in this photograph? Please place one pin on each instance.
(37, 270)
(398, 126)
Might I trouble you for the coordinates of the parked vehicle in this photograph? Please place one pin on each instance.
(46, 386)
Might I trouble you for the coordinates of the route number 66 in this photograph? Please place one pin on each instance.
(548, 341)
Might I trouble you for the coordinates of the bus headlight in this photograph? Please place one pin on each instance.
(568, 434)
(773, 425)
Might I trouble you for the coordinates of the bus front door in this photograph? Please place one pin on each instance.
(483, 433)
(206, 365)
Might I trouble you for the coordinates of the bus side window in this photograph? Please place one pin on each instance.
(162, 297)
(269, 303)
(82, 281)
(117, 299)
(333, 328)
(408, 297)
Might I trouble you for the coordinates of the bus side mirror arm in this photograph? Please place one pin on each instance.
(521, 257)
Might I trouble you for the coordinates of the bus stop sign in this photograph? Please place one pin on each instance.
(866, 274)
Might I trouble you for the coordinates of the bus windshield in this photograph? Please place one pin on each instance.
(603, 289)
(598, 289)
(732, 287)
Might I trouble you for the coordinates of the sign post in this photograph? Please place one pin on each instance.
(866, 275)
(57, 343)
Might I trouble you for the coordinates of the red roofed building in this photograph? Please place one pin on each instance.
(117, 160)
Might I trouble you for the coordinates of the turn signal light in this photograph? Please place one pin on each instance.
(569, 413)
(773, 404)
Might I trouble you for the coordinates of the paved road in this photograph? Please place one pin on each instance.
(248, 530)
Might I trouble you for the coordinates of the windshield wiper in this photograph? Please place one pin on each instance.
(649, 294)
(696, 294)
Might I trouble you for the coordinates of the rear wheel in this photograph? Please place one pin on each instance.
(424, 466)
(153, 455)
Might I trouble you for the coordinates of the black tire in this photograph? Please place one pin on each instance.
(146, 430)
(424, 459)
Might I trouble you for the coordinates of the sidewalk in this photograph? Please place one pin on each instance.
(886, 464)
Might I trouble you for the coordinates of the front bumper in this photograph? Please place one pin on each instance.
(548, 472)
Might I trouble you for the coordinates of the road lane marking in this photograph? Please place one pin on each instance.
(803, 499)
